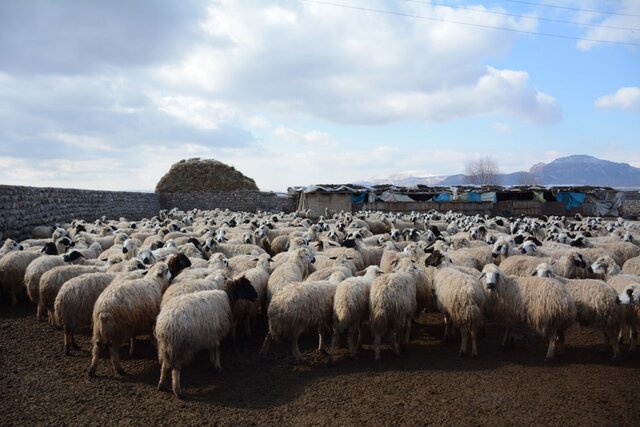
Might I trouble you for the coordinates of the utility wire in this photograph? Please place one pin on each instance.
(429, 18)
(514, 15)
(576, 9)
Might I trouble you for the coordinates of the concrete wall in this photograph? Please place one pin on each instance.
(22, 208)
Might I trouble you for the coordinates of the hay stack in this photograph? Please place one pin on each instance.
(196, 175)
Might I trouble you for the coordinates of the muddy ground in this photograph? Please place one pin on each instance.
(428, 384)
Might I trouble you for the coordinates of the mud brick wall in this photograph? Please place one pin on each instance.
(22, 208)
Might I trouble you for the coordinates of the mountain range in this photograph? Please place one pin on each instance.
(576, 170)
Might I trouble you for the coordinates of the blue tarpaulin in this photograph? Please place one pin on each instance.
(357, 199)
(571, 199)
(442, 197)
(472, 196)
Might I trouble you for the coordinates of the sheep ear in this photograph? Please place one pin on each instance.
(482, 275)
(349, 257)
(535, 272)
(333, 257)
(361, 273)
(394, 263)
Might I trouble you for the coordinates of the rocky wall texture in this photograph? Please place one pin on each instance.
(22, 208)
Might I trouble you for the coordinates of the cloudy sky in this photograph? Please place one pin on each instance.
(107, 95)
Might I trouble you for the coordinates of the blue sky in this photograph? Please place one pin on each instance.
(108, 95)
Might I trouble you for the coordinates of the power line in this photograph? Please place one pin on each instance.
(576, 9)
(514, 15)
(429, 18)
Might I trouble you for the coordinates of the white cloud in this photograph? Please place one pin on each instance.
(359, 67)
(312, 137)
(609, 26)
(625, 98)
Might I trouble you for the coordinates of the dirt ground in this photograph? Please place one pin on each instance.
(428, 384)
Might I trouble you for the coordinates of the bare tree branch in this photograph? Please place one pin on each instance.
(482, 171)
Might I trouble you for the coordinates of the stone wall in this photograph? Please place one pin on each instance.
(22, 208)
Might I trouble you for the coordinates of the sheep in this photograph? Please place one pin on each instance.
(74, 303)
(544, 304)
(12, 268)
(299, 307)
(10, 245)
(632, 266)
(124, 310)
(258, 276)
(215, 280)
(630, 295)
(231, 250)
(370, 255)
(462, 300)
(351, 308)
(193, 322)
(41, 265)
(606, 266)
(392, 304)
(340, 263)
(294, 270)
(571, 265)
(51, 282)
(595, 305)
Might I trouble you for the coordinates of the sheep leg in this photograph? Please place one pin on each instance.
(407, 334)
(164, 373)
(295, 349)
(377, 340)
(114, 353)
(395, 343)
(352, 343)
(334, 340)
(551, 350)
(506, 337)
(95, 356)
(447, 327)
(40, 313)
(132, 346)
(560, 338)
(266, 345)
(613, 341)
(68, 339)
(464, 334)
(633, 334)
(474, 343)
(215, 357)
(175, 382)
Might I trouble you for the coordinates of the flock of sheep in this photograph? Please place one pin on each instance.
(190, 279)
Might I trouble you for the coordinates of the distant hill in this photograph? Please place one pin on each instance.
(571, 170)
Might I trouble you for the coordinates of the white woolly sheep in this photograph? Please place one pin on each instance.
(300, 307)
(571, 265)
(12, 268)
(544, 304)
(215, 280)
(41, 265)
(393, 304)
(258, 276)
(606, 266)
(595, 305)
(193, 322)
(51, 282)
(10, 245)
(632, 266)
(462, 300)
(124, 310)
(294, 270)
(351, 308)
(74, 303)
